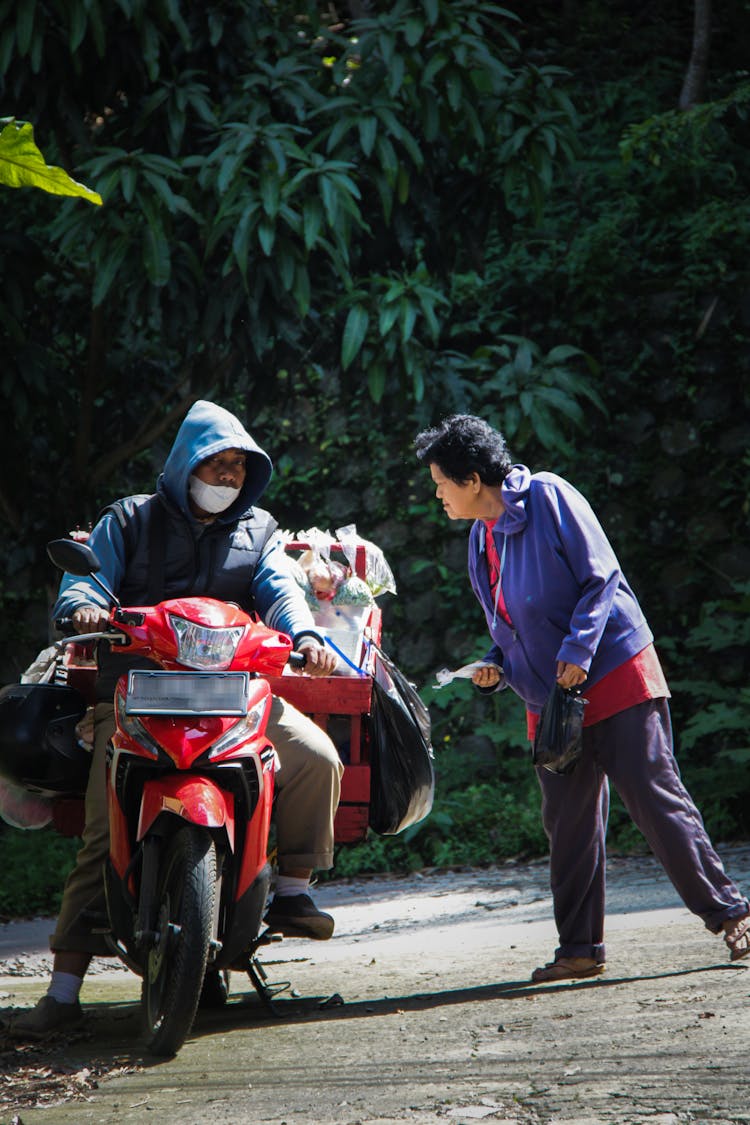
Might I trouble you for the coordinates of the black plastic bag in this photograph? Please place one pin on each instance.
(559, 733)
(402, 777)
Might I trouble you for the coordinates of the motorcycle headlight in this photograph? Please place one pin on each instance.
(200, 646)
(244, 729)
(134, 728)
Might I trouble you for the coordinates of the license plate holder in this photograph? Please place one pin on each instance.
(187, 693)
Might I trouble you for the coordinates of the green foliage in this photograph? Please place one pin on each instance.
(530, 395)
(714, 740)
(274, 181)
(694, 142)
(345, 229)
(473, 823)
(22, 165)
(35, 866)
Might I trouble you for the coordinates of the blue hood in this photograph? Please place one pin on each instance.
(208, 429)
(515, 494)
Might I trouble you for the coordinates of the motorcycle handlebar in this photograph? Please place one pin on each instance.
(65, 626)
(89, 638)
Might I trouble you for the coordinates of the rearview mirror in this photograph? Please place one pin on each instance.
(79, 559)
(76, 558)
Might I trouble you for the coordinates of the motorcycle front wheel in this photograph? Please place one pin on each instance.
(175, 965)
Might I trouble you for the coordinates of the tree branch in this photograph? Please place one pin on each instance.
(142, 440)
(155, 423)
(694, 86)
(155, 411)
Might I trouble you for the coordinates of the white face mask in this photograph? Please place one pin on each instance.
(212, 498)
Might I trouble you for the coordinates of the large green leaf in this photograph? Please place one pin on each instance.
(286, 265)
(156, 252)
(368, 128)
(388, 317)
(266, 236)
(241, 237)
(408, 314)
(22, 165)
(25, 26)
(312, 213)
(108, 269)
(270, 191)
(301, 290)
(376, 377)
(355, 331)
(78, 22)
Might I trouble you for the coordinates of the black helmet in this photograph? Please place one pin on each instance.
(39, 749)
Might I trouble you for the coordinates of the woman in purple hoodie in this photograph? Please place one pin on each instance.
(559, 609)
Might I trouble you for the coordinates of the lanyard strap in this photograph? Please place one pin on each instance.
(499, 579)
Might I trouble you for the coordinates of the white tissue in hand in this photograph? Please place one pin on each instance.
(445, 676)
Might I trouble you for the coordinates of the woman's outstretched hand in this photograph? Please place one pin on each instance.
(486, 677)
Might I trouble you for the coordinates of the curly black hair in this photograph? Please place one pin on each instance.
(463, 444)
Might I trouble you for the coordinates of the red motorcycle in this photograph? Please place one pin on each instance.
(190, 782)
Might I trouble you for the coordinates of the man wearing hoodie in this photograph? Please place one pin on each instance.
(559, 610)
(199, 534)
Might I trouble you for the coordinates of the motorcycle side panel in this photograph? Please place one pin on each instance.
(254, 856)
(119, 841)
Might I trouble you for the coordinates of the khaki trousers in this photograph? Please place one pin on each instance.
(308, 785)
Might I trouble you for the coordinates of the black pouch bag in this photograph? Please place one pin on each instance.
(558, 740)
(402, 777)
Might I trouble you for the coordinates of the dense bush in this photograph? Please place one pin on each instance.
(345, 229)
(34, 866)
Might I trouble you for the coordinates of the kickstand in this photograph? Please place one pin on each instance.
(257, 973)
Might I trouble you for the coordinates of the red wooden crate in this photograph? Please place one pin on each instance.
(79, 670)
(338, 704)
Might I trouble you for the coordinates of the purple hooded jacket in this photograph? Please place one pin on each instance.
(563, 588)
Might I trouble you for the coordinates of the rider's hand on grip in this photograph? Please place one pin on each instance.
(90, 619)
(318, 660)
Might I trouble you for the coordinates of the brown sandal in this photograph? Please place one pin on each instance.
(568, 968)
(738, 937)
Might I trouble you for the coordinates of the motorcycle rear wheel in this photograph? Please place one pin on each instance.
(175, 967)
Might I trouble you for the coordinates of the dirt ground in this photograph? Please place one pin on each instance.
(419, 1011)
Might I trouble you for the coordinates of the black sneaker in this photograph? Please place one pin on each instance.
(298, 916)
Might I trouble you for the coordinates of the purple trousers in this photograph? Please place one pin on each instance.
(634, 751)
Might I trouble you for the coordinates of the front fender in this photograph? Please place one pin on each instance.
(197, 799)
